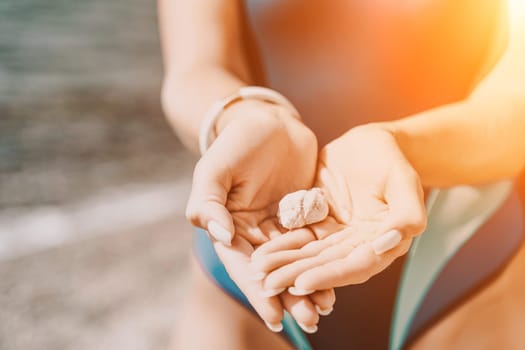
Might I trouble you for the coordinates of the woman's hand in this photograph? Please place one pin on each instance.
(376, 199)
(305, 309)
(262, 153)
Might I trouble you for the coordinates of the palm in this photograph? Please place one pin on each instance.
(369, 194)
(252, 164)
(278, 165)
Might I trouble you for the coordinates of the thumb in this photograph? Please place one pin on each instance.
(206, 205)
(404, 195)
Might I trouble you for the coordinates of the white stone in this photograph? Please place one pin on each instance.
(301, 208)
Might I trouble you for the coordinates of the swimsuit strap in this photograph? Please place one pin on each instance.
(294, 333)
(454, 215)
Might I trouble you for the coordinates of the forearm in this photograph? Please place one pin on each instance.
(482, 138)
(475, 141)
(204, 59)
(187, 97)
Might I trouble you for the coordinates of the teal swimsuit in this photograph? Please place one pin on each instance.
(454, 257)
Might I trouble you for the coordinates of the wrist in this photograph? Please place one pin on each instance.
(371, 131)
(187, 94)
(419, 149)
(208, 130)
(395, 130)
(383, 140)
(243, 109)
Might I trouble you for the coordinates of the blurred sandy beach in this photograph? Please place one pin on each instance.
(93, 243)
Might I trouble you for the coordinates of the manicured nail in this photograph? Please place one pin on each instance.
(256, 232)
(267, 293)
(386, 242)
(322, 312)
(275, 327)
(258, 276)
(308, 329)
(220, 233)
(299, 292)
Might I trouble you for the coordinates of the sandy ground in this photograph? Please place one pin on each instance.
(120, 291)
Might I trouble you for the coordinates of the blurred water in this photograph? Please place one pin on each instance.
(79, 100)
(52, 46)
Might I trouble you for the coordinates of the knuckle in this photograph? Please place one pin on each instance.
(330, 296)
(418, 223)
(325, 298)
(413, 222)
(192, 214)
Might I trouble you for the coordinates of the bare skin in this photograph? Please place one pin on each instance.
(491, 319)
(213, 320)
(201, 75)
(225, 193)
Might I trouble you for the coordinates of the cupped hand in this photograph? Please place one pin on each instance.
(377, 208)
(269, 303)
(261, 154)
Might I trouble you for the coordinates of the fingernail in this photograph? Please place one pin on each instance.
(322, 312)
(308, 329)
(256, 232)
(258, 276)
(299, 292)
(386, 242)
(267, 293)
(274, 327)
(220, 233)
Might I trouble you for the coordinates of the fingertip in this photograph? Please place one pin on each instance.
(293, 290)
(324, 301)
(308, 329)
(256, 235)
(270, 310)
(302, 310)
(274, 327)
(323, 312)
